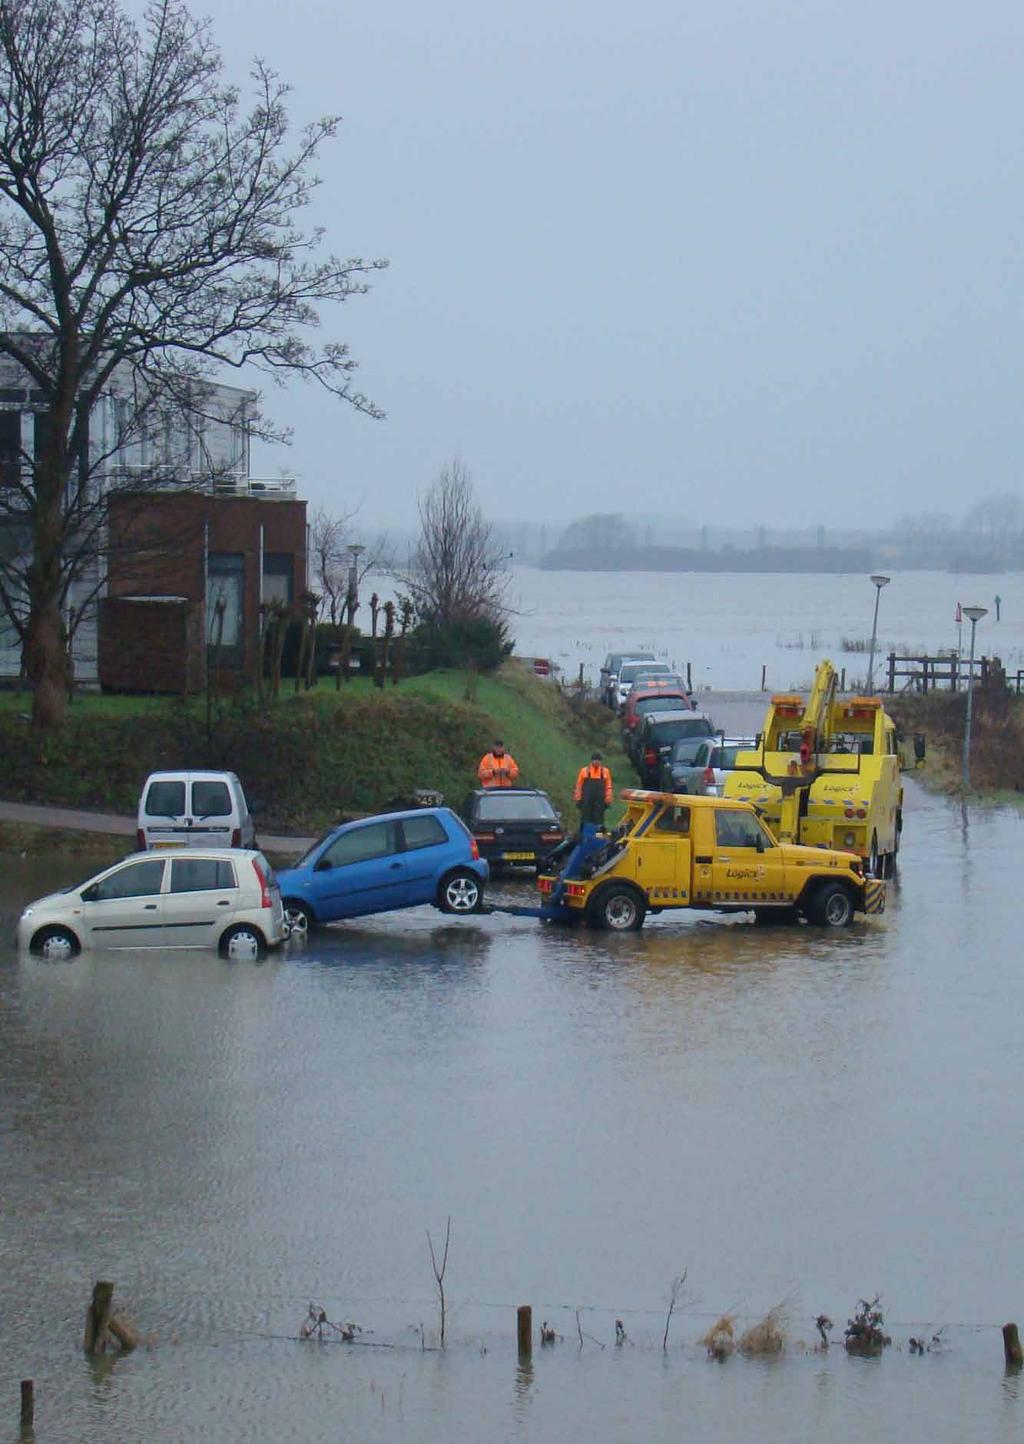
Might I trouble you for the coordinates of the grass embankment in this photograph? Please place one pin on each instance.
(997, 738)
(314, 756)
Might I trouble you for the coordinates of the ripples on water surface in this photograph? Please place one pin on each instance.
(787, 1115)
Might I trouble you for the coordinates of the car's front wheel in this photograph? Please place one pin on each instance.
(242, 943)
(298, 918)
(56, 945)
(460, 892)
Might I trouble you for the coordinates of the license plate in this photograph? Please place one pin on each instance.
(519, 856)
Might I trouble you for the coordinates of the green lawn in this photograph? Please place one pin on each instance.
(313, 756)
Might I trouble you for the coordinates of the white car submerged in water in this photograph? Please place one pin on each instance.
(183, 897)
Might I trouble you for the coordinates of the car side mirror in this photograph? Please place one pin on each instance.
(761, 844)
(90, 894)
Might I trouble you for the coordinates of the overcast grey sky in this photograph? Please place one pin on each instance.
(739, 260)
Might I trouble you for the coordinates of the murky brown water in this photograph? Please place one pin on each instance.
(784, 1114)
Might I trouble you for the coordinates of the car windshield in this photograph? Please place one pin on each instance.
(300, 862)
(661, 702)
(632, 670)
(664, 733)
(686, 749)
(529, 808)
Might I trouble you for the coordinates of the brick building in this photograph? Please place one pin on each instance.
(187, 573)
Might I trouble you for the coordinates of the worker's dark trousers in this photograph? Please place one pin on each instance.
(592, 803)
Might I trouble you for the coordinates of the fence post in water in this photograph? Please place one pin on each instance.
(1011, 1347)
(97, 1318)
(764, 673)
(28, 1403)
(689, 678)
(524, 1322)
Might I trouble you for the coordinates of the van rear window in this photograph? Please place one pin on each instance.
(165, 799)
(211, 799)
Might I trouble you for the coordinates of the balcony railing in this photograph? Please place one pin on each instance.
(226, 483)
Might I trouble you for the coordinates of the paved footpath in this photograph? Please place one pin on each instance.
(108, 822)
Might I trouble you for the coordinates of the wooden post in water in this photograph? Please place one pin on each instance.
(524, 1323)
(1011, 1347)
(764, 674)
(97, 1318)
(28, 1403)
(689, 678)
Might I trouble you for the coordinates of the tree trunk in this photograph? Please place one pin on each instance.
(45, 656)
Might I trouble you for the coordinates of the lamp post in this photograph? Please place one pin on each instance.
(879, 583)
(975, 614)
(352, 597)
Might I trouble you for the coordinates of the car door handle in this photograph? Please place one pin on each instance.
(151, 907)
(223, 903)
(393, 867)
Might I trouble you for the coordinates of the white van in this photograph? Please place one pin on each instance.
(194, 809)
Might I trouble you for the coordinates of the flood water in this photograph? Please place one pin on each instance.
(728, 626)
(786, 1115)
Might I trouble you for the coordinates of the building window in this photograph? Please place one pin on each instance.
(279, 577)
(10, 448)
(225, 594)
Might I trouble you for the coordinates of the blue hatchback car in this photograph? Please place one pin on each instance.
(399, 860)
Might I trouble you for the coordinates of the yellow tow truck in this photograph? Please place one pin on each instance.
(827, 773)
(677, 851)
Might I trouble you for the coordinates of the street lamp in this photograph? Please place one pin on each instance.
(975, 614)
(352, 598)
(879, 583)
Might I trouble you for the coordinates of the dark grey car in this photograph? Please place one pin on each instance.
(659, 734)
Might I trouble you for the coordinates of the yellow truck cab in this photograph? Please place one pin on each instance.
(826, 773)
(675, 851)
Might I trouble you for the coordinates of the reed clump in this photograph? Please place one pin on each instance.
(720, 1339)
(767, 1337)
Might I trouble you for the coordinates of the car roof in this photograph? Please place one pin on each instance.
(671, 714)
(393, 816)
(205, 853)
(510, 791)
(173, 772)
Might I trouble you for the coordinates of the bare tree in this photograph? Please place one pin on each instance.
(148, 232)
(439, 1272)
(337, 566)
(674, 1294)
(458, 573)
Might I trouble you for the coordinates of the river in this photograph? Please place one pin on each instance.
(789, 1117)
(729, 626)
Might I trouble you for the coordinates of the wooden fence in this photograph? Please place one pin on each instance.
(947, 672)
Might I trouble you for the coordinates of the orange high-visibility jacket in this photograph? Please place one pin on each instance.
(594, 772)
(497, 771)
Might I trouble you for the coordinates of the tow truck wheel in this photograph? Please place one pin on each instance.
(832, 906)
(619, 909)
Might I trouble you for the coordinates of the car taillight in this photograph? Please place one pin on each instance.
(140, 839)
(236, 837)
(650, 757)
(264, 889)
(474, 851)
(709, 776)
(485, 837)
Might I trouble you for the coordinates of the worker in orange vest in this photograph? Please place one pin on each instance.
(498, 767)
(593, 790)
